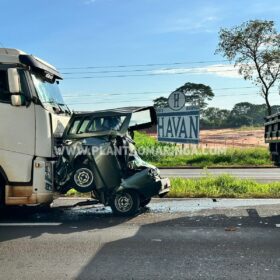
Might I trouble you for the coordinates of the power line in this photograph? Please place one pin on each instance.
(139, 70)
(146, 92)
(164, 71)
(142, 65)
(146, 100)
(149, 74)
(122, 101)
(114, 94)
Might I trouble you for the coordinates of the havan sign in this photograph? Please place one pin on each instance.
(178, 123)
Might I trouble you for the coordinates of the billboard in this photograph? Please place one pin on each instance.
(178, 123)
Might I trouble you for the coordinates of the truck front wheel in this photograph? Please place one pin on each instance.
(125, 203)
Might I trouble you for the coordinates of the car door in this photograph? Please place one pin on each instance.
(142, 118)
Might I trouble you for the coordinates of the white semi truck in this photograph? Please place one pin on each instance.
(33, 116)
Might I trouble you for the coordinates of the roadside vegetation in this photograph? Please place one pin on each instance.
(150, 150)
(223, 186)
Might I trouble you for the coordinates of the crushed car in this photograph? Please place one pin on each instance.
(99, 155)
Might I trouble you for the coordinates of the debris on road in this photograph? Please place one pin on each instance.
(230, 229)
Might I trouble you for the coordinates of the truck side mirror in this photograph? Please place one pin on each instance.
(14, 87)
(14, 83)
(18, 100)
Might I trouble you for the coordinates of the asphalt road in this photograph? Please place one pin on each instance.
(173, 239)
(258, 174)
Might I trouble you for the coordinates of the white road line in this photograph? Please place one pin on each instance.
(231, 172)
(234, 175)
(278, 225)
(237, 174)
(241, 176)
(28, 224)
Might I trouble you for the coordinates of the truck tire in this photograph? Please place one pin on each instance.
(277, 161)
(83, 178)
(125, 203)
(2, 194)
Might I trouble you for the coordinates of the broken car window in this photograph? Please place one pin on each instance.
(106, 123)
(96, 124)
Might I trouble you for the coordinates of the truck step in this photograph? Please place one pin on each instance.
(17, 195)
(18, 200)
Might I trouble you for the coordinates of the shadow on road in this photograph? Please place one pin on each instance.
(166, 247)
(99, 217)
(197, 247)
(70, 220)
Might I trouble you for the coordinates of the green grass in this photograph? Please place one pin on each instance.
(149, 149)
(225, 186)
(230, 157)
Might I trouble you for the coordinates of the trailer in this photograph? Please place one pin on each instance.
(272, 136)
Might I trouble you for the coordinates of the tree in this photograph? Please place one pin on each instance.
(197, 94)
(254, 46)
(215, 117)
(160, 102)
(240, 116)
(242, 108)
(275, 109)
(245, 113)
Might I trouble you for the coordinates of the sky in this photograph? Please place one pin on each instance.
(159, 44)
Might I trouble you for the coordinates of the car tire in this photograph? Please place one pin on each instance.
(145, 202)
(125, 203)
(82, 178)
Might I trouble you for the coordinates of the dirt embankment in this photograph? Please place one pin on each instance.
(241, 138)
(232, 138)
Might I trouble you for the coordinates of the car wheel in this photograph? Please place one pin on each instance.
(83, 179)
(125, 203)
(145, 202)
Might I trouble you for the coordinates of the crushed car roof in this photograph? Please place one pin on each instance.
(123, 110)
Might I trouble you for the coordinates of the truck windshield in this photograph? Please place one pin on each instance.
(47, 92)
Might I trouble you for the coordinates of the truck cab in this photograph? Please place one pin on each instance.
(33, 116)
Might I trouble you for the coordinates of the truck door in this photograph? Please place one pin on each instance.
(17, 132)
